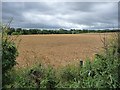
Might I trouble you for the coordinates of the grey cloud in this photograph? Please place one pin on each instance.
(88, 15)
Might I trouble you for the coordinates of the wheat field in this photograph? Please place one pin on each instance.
(57, 49)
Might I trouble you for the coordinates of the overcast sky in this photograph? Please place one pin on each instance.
(67, 15)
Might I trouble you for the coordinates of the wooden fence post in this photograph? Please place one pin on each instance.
(81, 63)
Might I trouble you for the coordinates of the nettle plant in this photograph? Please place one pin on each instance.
(9, 54)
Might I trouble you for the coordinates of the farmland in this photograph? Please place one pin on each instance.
(57, 50)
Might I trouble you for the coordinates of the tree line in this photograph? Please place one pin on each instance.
(20, 31)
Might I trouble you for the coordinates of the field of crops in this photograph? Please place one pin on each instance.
(57, 50)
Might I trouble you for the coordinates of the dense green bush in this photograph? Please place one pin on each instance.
(103, 71)
(34, 77)
(9, 54)
(100, 73)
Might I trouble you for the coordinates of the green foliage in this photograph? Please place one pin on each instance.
(21, 79)
(16, 33)
(69, 73)
(50, 78)
(102, 72)
(26, 77)
(9, 54)
(60, 31)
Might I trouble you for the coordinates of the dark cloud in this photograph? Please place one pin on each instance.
(82, 15)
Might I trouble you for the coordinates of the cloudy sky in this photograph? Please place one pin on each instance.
(67, 15)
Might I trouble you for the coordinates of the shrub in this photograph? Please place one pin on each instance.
(34, 77)
(9, 54)
(103, 71)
